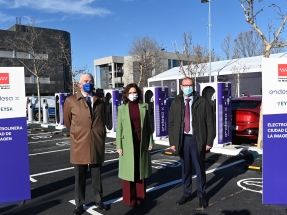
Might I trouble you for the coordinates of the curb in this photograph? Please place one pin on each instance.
(250, 157)
(257, 168)
(35, 126)
(169, 152)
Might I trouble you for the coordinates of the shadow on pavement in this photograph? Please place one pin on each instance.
(37, 209)
(221, 178)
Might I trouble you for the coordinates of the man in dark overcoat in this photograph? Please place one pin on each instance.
(84, 117)
(191, 134)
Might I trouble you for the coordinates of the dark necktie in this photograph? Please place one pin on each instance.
(88, 100)
(187, 116)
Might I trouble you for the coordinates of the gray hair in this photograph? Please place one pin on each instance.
(91, 76)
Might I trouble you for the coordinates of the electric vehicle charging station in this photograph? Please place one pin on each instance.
(30, 110)
(59, 104)
(158, 106)
(114, 98)
(219, 96)
(45, 111)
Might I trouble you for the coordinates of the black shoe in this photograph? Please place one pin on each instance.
(202, 202)
(183, 200)
(133, 206)
(101, 206)
(140, 203)
(78, 210)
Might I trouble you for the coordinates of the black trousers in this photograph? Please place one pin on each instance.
(191, 155)
(80, 183)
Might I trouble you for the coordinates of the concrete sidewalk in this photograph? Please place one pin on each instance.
(36, 124)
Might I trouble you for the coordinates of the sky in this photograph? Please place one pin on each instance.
(101, 28)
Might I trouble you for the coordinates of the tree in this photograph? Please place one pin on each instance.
(147, 59)
(251, 16)
(66, 57)
(238, 71)
(193, 59)
(245, 44)
(226, 47)
(31, 49)
(269, 43)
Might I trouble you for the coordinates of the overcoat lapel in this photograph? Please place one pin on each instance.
(95, 98)
(127, 117)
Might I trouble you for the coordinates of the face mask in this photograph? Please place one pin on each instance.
(88, 87)
(187, 91)
(133, 97)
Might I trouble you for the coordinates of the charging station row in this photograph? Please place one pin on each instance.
(218, 94)
(158, 100)
(59, 108)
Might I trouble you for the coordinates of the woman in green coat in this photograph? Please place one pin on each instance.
(134, 142)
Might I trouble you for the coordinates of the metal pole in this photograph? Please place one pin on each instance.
(209, 37)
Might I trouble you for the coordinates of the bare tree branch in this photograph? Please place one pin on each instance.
(247, 6)
(31, 49)
(193, 59)
(147, 59)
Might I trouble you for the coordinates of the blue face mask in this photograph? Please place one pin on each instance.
(88, 87)
(187, 91)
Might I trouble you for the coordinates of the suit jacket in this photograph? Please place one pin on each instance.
(203, 125)
(124, 138)
(87, 134)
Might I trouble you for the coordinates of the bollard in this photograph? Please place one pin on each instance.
(30, 109)
(45, 111)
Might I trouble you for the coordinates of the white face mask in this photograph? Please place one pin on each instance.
(133, 97)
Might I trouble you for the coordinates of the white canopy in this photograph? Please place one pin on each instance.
(219, 67)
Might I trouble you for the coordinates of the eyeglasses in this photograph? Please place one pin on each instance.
(186, 85)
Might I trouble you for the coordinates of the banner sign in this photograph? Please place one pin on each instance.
(161, 111)
(224, 113)
(274, 107)
(117, 96)
(14, 161)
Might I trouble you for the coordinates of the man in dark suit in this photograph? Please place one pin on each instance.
(84, 117)
(191, 134)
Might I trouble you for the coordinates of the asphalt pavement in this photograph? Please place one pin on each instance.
(232, 187)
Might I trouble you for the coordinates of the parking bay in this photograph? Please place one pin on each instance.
(230, 187)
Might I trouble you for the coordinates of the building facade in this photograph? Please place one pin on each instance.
(117, 71)
(57, 78)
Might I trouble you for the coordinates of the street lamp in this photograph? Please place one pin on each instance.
(209, 34)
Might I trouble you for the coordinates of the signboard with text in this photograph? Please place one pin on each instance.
(14, 161)
(161, 111)
(274, 106)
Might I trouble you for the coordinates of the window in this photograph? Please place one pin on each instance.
(169, 64)
(27, 79)
(44, 79)
(175, 63)
(244, 104)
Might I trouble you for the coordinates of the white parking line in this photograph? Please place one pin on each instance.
(108, 143)
(64, 138)
(49, 152)
(39, 133)
(45, 173)
(88, 209)
(176, 181)
(60, 170)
